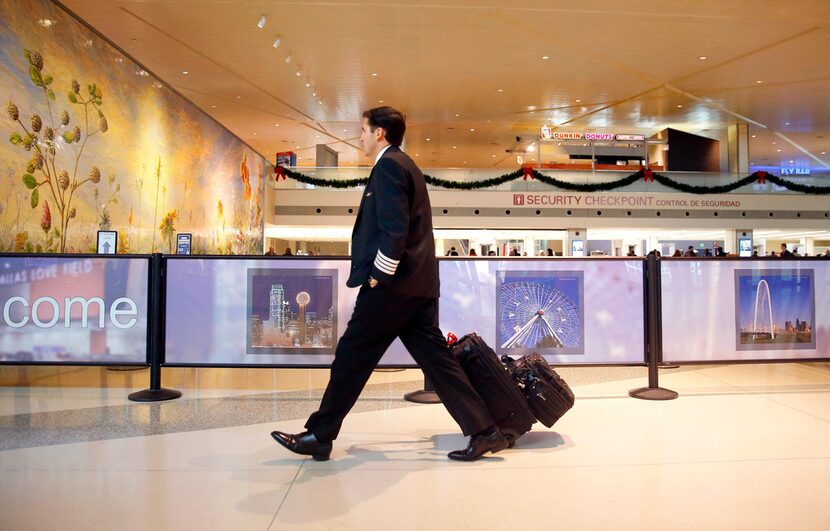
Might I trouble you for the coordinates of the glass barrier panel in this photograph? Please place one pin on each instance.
(720, 310)
(74, 309)
(291, 311)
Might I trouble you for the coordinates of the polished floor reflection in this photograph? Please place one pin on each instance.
(743, 447)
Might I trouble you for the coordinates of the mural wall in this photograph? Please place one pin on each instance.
(90, 142)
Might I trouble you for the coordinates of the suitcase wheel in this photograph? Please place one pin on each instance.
(511, 436)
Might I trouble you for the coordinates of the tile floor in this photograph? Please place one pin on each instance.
(743, 447)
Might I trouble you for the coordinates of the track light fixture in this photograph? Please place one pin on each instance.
(277, 42)
(261, 22)
(288, 58)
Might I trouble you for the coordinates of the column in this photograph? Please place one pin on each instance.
(737, 136)
(806, 246)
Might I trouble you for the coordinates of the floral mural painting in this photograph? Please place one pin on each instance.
(45, 170)
(97, 143)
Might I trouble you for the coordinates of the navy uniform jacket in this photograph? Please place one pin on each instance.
(392, 238)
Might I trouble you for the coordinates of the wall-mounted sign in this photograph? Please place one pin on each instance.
(630, 138)
(549, 134)
(286, 158)
(107, 242)
(795, 171)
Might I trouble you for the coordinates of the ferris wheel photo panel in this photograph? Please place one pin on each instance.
(570, 311)
(745, 310)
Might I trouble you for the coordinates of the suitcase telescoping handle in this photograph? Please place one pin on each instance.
(452, 339)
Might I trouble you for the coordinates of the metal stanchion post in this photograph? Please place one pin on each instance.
(155, 320)
(654, 320)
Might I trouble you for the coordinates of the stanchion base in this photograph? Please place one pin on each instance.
(653, 393)
(154, 395)
(667, 366)
(422, 397)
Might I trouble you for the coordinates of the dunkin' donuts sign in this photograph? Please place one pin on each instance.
(548, 133)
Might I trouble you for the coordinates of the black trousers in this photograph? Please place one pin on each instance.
(379, 317)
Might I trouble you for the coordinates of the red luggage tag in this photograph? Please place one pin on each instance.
(452, 339)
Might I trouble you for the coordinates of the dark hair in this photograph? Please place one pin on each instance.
(390, 120)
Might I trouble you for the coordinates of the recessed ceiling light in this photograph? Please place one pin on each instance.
(824, 153)
(792, 162)
(374, 74)
(427, 139)
(545, 57)
(262, 21)
(417, 155)
(380, 101)
(778, 150)
(239, 97)
(679, 106)
(288, 59)
(254, 134)
(277, 42)
(754, 136)
(213, 106)
(276, 125)
(453, 147)
(472, 130)
(299, 72)
(344, 130)
(500, 90)
(494, 156)
(759, 81)
(579, 101)
(457, 115)
(296, 147)
(308, 83)
(702, 57)
(786, 123)
(185, 72)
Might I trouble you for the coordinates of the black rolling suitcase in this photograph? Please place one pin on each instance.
(495, 385)
(548, 395)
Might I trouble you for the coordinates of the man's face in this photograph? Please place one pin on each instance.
(783, 246)
(369, 138)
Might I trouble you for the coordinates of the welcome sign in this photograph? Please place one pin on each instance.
(73, 309)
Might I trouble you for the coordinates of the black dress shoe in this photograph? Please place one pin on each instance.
(304, 443)
(489, 441)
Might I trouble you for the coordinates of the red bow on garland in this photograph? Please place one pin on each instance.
(648, 175)
(762, 177)
(279, 171)
(528, 172)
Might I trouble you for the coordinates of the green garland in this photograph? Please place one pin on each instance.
(524, 173)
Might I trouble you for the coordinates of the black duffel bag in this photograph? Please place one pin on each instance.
(548, 395)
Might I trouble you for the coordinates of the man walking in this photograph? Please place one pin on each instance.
(394, 264)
